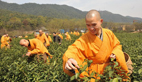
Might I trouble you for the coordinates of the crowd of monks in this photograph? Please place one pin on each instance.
(98, 44)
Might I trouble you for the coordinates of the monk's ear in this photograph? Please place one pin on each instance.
(101, 21)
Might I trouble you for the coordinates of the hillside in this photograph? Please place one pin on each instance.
(62, 11)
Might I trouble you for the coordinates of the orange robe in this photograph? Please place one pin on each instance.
(91, 47)
(82, 33)
(74, 33)
(77, 33)
(49, 39)
(43, 39)
(37, 47)
(60, 36)
(68, 37)
(4, 42)
(26, 36)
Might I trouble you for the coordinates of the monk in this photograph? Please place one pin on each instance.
(48, 37)
(5, 40)
(42, 37)
(59, 34)
(67, 37)
(35, 47)
(26, 36)
(98, 44)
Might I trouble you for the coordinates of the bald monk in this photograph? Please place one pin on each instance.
(98, 44)
(48, 37)
(35, 47)
(68, 37)
(5, 40)
(42, 37)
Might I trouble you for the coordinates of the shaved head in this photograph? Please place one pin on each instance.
(24, 42)
(93, 13)
(93, 22)
(40, 32)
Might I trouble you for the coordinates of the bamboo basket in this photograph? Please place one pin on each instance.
(128, 62)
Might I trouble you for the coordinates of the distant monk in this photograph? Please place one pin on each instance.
(68, 37)
(35, 47)
(59, 34)
(42, 37)
(48, 37)
(56, 38)
(98, 44)
(5, 40)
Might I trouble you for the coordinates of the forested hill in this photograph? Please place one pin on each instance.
(61, 11)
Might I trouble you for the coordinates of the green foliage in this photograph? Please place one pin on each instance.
(15, 68)
(110, 73)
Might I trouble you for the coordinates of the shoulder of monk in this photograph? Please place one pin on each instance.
(107, 31)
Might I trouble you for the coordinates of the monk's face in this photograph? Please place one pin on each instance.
(94, 25)
(24, 43)
(47, 34)
(6, 35)
(54, 34)
(40, 32)
(65, 34)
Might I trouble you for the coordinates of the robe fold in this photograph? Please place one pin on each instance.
(91, 47)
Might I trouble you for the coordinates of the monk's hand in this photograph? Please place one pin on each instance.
(71, 64)
(112, 56)
(28, 54)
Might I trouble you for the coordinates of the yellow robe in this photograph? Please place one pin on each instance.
(60, 36)
(43, 39)
(77, 33)
(82, 33)
(37, 47)
(49, 39)
(26, 36)
(4, 42)
(68, 37)
(74, 33)
(91, 47)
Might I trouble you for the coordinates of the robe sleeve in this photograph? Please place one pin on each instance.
(74, 51)
(47, 41)
(117, 51)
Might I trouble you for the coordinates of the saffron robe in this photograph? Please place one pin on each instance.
(4, 41)
(91, 47)
(60, 36)
(49, 39)
(37, 47)
(68, 37)
(43, 39)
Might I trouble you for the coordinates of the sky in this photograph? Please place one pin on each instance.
(123, 7)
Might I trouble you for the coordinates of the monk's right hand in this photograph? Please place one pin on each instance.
(71, 64)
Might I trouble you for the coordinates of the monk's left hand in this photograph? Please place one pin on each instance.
(28, 54)
(112, 56)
